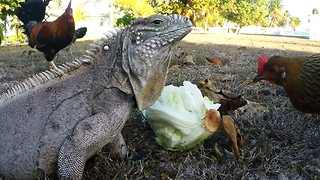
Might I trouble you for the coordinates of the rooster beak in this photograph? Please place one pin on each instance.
(257, 78)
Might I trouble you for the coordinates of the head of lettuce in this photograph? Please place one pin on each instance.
(182, 118)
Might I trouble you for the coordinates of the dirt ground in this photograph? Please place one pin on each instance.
(281, 143)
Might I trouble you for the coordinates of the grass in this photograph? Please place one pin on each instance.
(280, 144)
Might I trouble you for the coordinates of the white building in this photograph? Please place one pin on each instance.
(314, 27)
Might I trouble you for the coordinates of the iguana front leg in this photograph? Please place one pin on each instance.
(88, 137)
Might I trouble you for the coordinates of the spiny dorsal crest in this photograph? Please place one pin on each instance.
(62, 69)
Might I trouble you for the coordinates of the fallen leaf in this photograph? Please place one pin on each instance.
(208, 84)
(234, 134)
(217, 61)
(188, 60)
(242, 48)
(229, 101)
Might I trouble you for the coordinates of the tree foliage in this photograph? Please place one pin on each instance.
(200, 12)
(15, 25)
(125, 20)
(1, 32)
(315, 11)
(285, 20)
(7, 8)
(275, 15)
(132, 9)
(294, 22)
(79, 14)
(215, 12)
(245, 12)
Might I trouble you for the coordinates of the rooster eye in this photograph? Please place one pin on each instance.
(271, 70)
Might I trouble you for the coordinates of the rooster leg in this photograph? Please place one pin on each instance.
(70, 49)
(52, 65)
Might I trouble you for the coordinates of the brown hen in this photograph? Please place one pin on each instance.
(299, 76)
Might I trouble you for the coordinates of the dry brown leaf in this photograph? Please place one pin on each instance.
(188, 60)
(208, 84)
(242, 48)
(233, 133)
(217, 61)
(229, 101)
(164, 176)
(227, 78)
(229, 94)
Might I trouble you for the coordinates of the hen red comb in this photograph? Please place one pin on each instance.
(262, 61)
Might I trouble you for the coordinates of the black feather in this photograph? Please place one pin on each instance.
(79, 33)
(32, 10)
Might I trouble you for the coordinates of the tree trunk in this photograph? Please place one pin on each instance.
(5, 32)
(238, 29)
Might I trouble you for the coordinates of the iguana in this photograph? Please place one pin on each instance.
(65, 115)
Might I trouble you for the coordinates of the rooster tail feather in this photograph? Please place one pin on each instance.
(21, 15)
(32, 10)
(80, 32)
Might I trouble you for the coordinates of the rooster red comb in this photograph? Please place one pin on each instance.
(69, 5)
(69, 9)
(262, 61)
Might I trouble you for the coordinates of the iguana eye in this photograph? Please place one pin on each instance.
(157, 22)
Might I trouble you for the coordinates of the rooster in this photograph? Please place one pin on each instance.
(47, 37)
(299, 76)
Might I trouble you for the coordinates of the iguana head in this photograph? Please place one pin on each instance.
(146, 53)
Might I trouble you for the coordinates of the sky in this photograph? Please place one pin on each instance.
(301, 8)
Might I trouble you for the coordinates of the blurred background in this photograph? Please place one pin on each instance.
(276, 17)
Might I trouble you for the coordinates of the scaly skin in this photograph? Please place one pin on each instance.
(65, 116)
